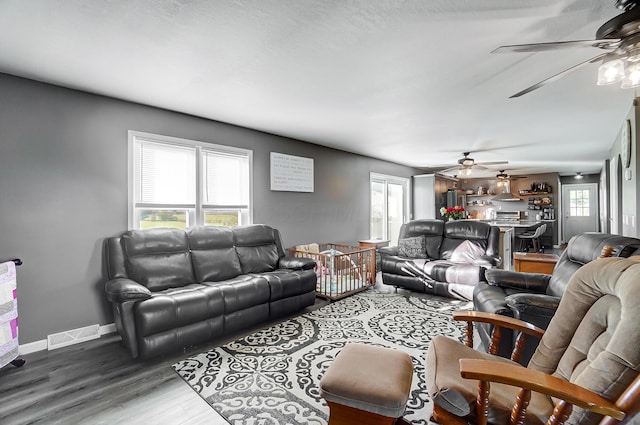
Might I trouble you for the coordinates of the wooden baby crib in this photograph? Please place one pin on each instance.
(342, 270)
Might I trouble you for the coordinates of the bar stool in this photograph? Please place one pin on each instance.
(534, 238)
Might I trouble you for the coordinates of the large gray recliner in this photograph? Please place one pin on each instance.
(534, 297)
(173, 288)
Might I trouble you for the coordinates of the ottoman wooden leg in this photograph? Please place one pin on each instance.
(346, 415)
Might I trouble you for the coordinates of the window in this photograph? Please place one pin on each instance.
(389, 205)
(179, 183)
(579, 203)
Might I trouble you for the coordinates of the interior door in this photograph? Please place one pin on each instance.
(579, 209)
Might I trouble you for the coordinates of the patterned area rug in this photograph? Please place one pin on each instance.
(272, 376)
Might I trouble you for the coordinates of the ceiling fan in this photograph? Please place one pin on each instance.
(620, 36)
(466, 164)
(502, 176)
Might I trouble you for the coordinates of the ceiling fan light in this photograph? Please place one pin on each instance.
(466, 171)
(610, 72)
(632, 77)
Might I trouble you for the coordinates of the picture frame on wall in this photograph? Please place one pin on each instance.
(290, 173)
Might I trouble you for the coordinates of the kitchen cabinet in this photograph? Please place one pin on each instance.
(533, 262)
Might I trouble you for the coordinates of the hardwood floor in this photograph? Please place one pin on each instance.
(97, 382)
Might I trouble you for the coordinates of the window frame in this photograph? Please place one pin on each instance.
(386, 180)
(195, 212)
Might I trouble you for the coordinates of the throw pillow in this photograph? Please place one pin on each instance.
(467, 252)
(415, 247)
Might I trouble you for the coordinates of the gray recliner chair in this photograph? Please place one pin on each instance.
(534, 297)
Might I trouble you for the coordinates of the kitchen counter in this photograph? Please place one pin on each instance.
(520, 224)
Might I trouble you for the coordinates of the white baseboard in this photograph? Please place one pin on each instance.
(32, 347)
(41, 345)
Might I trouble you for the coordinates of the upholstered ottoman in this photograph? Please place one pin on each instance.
(367, 385)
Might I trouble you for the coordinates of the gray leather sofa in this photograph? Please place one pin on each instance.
(442, 258)
(173, 288)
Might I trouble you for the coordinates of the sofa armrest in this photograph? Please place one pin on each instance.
(388, 250)
(534, 282)
(488, 261)
(296, 263)
(121, 290)
(537, 309)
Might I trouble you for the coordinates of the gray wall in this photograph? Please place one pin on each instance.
(63, 189)
(630, 201)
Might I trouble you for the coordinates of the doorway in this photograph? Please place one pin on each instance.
(579, 209)
(389, 206)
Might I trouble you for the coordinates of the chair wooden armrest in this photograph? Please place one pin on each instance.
(531, 380)
(498, 321)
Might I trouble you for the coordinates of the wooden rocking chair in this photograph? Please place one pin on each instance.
(585, 369)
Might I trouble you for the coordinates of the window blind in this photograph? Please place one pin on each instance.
(166, 174)
(225, 181)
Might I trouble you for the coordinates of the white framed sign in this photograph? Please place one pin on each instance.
(291, 173)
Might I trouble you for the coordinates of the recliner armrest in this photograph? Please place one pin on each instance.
(121, 290)
(537, 309)
(488, 261)
(296, 263)
(534, 282)
(388, 250)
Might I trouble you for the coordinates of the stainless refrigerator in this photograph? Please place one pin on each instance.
(456, 197)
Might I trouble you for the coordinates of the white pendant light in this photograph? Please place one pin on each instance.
(611, 71)
(632, 76)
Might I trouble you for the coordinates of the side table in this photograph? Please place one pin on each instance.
(376, 244)
(534, 262)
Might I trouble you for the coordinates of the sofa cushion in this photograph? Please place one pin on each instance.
(158, 258)
(176, 307)
(466, 229)
(213, 253)
(432, 231)
(447, 271)
(286, 283)
(458, 395)
(256, 248)
(243, 292)
(415, 247)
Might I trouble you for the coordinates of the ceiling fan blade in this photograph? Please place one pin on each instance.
(607, 43)
(492, 163)
(558, 76)
(450, 169)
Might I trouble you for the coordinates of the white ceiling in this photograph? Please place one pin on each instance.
(408, 81)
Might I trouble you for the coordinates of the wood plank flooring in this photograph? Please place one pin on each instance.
(97, 382)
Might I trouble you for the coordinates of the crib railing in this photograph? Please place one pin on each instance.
(342, 270)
